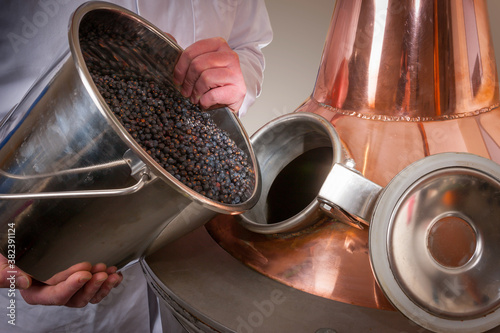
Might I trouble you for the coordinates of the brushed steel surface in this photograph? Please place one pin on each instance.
(211, 291)
(63, 139)
(276, 145)
(351, 192)
(434, 242)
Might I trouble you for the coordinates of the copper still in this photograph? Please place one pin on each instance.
(417, 77)
(400, 81)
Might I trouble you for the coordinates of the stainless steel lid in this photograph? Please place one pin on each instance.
(435, 242)
(434, 236)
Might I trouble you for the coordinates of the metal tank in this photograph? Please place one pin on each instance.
(400, 232)
(75, 186)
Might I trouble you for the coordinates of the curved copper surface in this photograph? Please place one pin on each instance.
(328, 259)
(381, 149)
(400, 60)
(399, 81)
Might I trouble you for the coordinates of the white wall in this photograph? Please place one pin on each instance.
(293, 58)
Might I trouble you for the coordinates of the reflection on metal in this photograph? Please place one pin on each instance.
(436, 82)
(418, 60)
(328, 259)
(399, 81)
(434, 242)
(211, 291)
(295, 153)
(347, 189)
(81, 194)
(75, 174)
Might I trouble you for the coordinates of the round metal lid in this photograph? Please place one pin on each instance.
(435, 242)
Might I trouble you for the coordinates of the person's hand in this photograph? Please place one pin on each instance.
(209, 73)
(75, 287)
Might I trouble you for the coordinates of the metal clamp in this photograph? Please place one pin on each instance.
(347, 191)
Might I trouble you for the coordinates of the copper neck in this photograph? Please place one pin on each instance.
(408, 60)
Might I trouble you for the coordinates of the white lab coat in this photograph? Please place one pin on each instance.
(32, 35)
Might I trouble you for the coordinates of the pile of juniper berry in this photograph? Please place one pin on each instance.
(177, 134)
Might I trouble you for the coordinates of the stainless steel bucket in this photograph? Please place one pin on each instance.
(74, 185)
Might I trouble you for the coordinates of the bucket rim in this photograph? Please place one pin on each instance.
(156, 169)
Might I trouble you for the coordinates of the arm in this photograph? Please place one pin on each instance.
(75, 287)
(251, 32)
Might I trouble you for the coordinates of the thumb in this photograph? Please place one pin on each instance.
(12, 277)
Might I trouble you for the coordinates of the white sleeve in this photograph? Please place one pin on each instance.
(251, 32)
(243, 23)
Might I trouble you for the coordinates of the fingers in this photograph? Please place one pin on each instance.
(228, 95)
(85, 294)
(112, 271)
(191, 52)
(12, 277)
(209, 73)
(74, 287)
(111, 282)
(97, 288)
(59, 294)
(98, 268)
(62, 276)
(224, 61)
(76, 290)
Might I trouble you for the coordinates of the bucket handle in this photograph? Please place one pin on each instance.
(138, 169)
